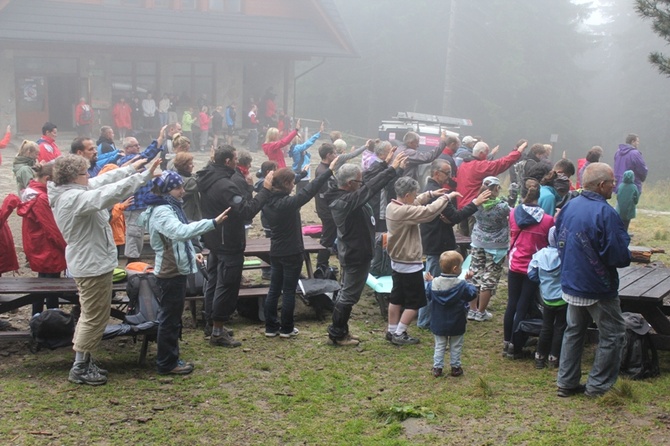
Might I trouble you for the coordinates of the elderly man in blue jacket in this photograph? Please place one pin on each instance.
(592, 244)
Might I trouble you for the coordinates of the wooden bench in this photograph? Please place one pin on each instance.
(245, 293)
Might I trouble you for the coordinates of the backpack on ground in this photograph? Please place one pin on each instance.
(639, 359)
(52, 328)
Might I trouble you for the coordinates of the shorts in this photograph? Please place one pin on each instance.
(486, 272)
(408, 290)
(230, 131)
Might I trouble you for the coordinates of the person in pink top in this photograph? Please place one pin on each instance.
(49, 151)
(273, 147)
(474, 169)
(529, 232)
(203, 120)
(122, 114)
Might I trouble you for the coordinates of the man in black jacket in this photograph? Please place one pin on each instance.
(219, 191)
(437, 236)
(356, 234)
(328, 228)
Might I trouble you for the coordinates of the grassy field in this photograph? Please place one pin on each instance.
(303, 391)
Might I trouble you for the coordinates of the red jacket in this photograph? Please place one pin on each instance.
(78, 118)
(472, 173)
(49, 151)
(122, 114)
(4, 142)
(43, 243)
(8, 260)
(274, 149)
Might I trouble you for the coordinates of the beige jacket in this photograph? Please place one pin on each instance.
(402, 221)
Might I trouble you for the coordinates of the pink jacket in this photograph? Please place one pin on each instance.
(274, 151)
(527, 241)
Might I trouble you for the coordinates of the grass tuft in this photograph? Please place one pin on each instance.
(401, 412)
(622, 393)
(483, 388)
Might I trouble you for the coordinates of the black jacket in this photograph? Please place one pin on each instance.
(282, 213)
(380, 200)
(355, 220)
(438, 236)
(322, 209)
(218, 191)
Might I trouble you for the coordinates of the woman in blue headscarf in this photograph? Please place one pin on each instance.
(170, 234)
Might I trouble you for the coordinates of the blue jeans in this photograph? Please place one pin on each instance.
(173, 291)
(455, 350)
(285, 273)
(612, 337)
(433, 267)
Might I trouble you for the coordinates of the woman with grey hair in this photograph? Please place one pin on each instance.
(403, 216)
(80, 209)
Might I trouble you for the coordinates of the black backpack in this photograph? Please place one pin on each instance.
(52, 329)
(639, 359)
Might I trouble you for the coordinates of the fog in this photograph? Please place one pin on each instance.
(516, 68)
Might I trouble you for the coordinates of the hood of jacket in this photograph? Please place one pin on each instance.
(628, 177)
(467, 157)
(21, 161)
(454, 292)
(547, 259)
(526, 216)
(28, 197)
(625, 149)
(211, 174)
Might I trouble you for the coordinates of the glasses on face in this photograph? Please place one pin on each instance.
(134, 145)
(447, 173)
(358, 181)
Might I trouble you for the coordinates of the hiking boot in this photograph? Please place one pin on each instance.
(225, 340)
(94, 367)
(82, 374)
(182, 368)
(208, 330)
(553, 363)
(564, 392)
(540, 361)
(289, 335)
(388, 336)
(456, 371)
(403, 339)
(346, 341)
(483, 316)
(471, 315)
(437, 372)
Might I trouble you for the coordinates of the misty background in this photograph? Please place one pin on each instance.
(516, 68)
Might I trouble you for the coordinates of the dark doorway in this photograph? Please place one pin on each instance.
(63, 96)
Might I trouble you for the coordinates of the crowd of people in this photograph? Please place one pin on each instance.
(563, 244)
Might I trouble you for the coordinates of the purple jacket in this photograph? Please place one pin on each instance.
(629, 158)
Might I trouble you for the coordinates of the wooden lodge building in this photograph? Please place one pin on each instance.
(52, 52)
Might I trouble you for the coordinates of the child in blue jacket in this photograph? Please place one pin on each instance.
(448, 297)
(545, 268)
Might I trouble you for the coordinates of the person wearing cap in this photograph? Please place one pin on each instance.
(80, 205)
(467, 144)
(489, 242)
(592, 244)
(169, 235)
(473, 170)
(529, 229)
(545, 268)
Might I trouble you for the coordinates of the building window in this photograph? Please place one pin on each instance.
(216, 5)
(134, 78)
(191, 81)
(188, 4)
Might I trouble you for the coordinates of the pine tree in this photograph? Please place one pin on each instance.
(659, 12)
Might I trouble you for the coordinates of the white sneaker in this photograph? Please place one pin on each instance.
(484, 316)
(471, 315)
(289, 335)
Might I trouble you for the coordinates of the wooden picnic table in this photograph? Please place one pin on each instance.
(260, 247)
(643, 289)
(16, 292)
